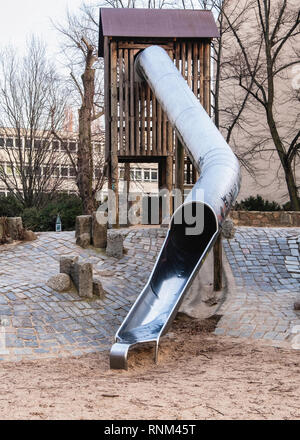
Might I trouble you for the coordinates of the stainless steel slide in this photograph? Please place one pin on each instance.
(196, 224)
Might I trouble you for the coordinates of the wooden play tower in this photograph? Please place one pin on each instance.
(136, 128)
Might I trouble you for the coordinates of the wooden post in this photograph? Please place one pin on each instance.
(127, 186)
(114, 130)
(107, 99)
(218, 282)
(179, 167)
(195, 174)
(162, 174)
(218, 264)
(169, 180)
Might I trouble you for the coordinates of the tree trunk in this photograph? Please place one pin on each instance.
(289, 175)
(85, 152)
(292, 187)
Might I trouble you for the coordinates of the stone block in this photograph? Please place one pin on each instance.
(98, 288)
(60, 282)
(99, 232)
(115, 244)
(66, 263)
(83, 225)
(83, 240)
(15, 228)
(82, 276)
(83, 231)
(228, 228)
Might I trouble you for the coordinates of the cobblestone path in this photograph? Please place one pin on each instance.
(39, 322)
(266, 267)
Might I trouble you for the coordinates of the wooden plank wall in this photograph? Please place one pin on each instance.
(138, 126)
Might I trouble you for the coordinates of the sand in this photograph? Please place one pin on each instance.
(199, 376)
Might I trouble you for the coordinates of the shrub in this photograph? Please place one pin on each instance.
(67, 206)
(257, 204)
(10, 206)
(44, 218)
(287, 206)
(32, 219)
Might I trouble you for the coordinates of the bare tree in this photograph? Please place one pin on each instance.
(228, 108)
(31, 102)
(265, 53)
(80, 54)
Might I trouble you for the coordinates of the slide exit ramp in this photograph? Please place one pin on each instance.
(195, 225)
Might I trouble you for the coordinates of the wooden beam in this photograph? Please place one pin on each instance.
(218, 263)
(179, 166)
(107, 97)
(126, 81)
(114, 128)
(121, 101)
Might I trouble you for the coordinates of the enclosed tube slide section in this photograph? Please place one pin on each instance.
(196, 224)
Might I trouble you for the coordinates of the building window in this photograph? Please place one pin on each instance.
(64, 172)
(72, 172)
(138, 175)
(72, 146)
(28, 144)
(153, 175)
(37, 144)
(55, 172)
(121, 173)
(55, 145)
(9, 142)
(19, 143)
(147, 175)
(1, 142)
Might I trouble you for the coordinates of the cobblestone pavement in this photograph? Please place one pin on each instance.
(266, 267)
(40, 322)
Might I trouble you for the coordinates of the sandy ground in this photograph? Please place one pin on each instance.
(199, 376)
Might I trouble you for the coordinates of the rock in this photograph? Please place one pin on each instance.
(83, 240)
(98, 288)
(15, 228)
(297, 305)
(99, 232)
(228, 228)
(66, 263)
(83, 231)
(29, 235)
(60, 282)
(82, 276)
(83, 225)
(115, 244)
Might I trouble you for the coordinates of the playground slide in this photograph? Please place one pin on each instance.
(196, 224)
